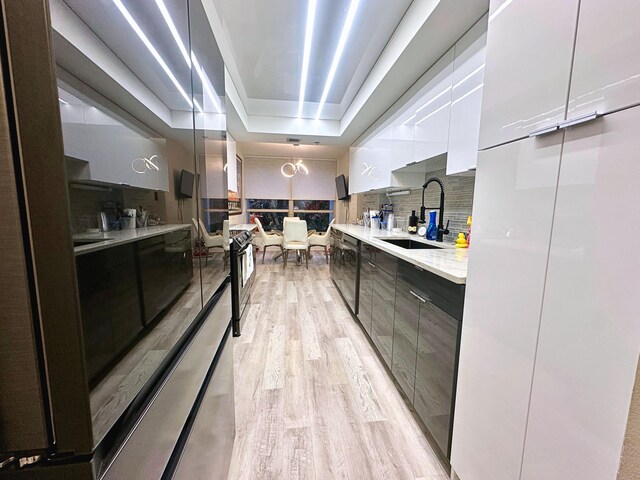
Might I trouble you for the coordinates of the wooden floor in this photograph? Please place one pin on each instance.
(313, 401)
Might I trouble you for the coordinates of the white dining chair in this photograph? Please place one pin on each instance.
(321, 240)
(296, 238)
(213, 241)
(268, 240)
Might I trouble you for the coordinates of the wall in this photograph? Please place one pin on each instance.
(458, 203)
(347, 211)
(238, 219)
(179, 157)
(630, 463)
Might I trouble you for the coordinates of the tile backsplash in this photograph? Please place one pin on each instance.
(458, 201)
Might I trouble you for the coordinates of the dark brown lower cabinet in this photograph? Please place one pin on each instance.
(384, 290)
(365, 306)
(109, 302)
(435, 372)
(405, 338)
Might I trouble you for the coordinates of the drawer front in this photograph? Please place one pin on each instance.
(445, 294)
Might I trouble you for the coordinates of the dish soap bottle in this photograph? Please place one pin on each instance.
(413, 223)
(469, 220)
(432, 229)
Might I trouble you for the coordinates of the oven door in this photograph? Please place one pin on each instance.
(242, 275)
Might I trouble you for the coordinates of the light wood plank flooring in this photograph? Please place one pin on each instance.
(313, 400)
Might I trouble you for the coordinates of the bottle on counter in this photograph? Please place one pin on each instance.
(432, 229)
(469, 231)
(413, 223)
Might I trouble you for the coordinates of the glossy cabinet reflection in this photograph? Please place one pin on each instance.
(110, 305)
(529, 50)
(466, 99)
(606, 64)
(513, 212)
(589, 338)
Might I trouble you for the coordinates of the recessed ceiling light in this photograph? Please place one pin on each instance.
(308, 37)
(201, 73)
(353, 7)
(152, 49)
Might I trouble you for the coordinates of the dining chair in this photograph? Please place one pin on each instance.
(213, 241)
(321, 240)
(295, 238)
(267, 240)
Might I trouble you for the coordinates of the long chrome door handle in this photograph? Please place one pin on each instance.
(417, 296)
(544, 130)
(371, 264)
(587, 117)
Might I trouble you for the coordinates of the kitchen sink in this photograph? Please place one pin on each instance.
(410, 244)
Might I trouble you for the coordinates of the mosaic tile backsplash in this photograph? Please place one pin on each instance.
(458, 201)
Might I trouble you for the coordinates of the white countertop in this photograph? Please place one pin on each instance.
(120, 237)
(448, 262)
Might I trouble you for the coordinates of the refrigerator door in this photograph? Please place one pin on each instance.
(45, 366)
(23, 420)
(589, 338)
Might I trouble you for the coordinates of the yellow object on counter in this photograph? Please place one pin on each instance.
(461, 241)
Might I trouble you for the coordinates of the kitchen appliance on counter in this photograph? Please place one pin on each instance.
(242, 277)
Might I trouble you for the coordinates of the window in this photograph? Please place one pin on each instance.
(271, 213)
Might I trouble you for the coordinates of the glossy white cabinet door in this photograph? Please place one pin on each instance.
(529, 49)
(590, 331)
(432, 108)
(513, 211)
(606, 66)
(466, 99)
(402, 145)
(370, 167)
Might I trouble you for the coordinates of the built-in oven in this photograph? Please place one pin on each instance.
(242, 277)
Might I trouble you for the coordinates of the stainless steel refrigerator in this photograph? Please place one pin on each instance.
(46, 427)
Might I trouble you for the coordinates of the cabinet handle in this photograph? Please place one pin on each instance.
(580, 119)
(544, 130)
(371, 264)
(417, 296)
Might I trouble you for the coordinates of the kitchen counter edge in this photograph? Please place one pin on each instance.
(448, 262)
(121, 237)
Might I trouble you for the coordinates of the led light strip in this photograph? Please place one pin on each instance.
(433, 113)
(353, 7)
(201, 72)
(152, 50)
(308, 37)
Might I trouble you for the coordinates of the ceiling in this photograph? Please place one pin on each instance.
(391, 45)
(261, 45)
(267, 42)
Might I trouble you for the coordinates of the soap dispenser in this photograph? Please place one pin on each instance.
(432, 229)
(413, 223)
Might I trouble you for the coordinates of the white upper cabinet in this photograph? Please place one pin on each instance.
(529, 49)
(512, 217)
(370, 164)
(430, 111)
(466, 99)
(589, 338)
(112, 152)
(606, 67)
